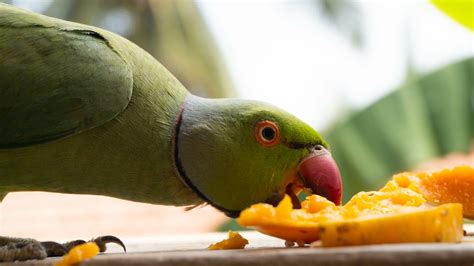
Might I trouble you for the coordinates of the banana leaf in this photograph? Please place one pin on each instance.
(424, 119)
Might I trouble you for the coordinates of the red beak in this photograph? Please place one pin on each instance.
(320, 173)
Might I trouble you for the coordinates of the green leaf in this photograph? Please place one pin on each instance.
(424, 119)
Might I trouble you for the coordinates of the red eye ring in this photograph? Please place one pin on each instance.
(267, 133)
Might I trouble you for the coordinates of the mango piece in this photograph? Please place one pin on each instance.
(234, 241)
(287, 223)
(437, 224)
(78, 254)
(407, 209)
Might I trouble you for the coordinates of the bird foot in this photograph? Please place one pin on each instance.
(101, 242)
(20, 249)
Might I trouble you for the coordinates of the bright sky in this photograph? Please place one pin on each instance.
(283, 53)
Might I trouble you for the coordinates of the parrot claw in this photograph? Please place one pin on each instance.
(54, 249)
(101, 241)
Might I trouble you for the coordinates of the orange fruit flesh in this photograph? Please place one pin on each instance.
(404, 210)
(447, 186)
(234, 241)
(79, 254)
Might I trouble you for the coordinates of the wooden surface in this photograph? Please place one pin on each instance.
(264, 250)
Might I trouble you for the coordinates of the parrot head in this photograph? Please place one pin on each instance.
(234, 153)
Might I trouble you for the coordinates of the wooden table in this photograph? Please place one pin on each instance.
(264, 250)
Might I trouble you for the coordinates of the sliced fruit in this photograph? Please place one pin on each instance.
(396, 213)
(438, 224)
(283, 221)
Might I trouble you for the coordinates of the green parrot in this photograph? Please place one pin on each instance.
(83, 110)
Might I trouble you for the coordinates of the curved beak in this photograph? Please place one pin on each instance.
(319, 172)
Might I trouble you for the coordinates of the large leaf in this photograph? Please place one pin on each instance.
(423, 119)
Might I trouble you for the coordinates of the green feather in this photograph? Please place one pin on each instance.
(124, 154)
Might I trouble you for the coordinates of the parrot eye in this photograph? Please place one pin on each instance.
(267, 133)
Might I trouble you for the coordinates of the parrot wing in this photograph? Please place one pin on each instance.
(56, 79)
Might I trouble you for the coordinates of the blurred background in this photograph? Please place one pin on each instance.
(390, 84)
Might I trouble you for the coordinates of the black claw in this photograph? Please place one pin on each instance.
(101, 241)
(54, 249)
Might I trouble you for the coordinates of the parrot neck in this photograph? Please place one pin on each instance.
(191, 104)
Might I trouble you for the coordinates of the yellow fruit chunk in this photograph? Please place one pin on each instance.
(78, 254)
(406, 209)
(285, 222)
(234, 241)
(438, 224)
